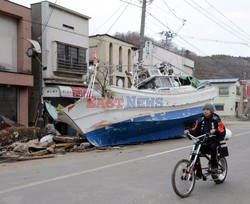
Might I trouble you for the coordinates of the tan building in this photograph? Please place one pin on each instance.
(15, 65)
(115, 54)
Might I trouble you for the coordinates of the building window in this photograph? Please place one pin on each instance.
(219, 107)
(120, 59)
(110, 57)
(71, 58)
(223, 91)
(68, 26)
(237, 90)
(129, 60)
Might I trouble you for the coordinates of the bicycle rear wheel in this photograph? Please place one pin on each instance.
(183, 181)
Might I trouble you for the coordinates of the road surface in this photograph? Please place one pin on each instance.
(127, 175)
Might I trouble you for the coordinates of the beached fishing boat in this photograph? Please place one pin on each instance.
(158, 107)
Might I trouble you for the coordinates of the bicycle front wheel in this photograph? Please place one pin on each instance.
(183, 178)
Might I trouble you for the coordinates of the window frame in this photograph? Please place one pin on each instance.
(71, 58)
(224, 93)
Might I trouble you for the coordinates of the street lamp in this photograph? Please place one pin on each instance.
(34, 50)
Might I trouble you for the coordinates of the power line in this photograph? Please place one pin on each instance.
(68, 31)
(164, 13)
(172, 11)
(108, 18)
(177, 35)
(227, 18)
(170, 29)
(223, 23)
(118, 17)
(48, 18)
(213, 19)
(198, 24)
(131, 4)
(214, 40)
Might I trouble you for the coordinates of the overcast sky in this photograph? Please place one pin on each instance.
(211, 26)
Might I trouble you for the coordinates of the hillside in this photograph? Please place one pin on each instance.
(221, 66)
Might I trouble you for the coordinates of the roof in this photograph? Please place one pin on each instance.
(221, 81)
(97, 35)
(17, 4)
(64, 9)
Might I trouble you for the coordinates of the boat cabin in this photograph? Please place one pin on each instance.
(156, 82)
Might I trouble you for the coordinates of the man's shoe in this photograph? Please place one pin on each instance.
(198, 175)
(214, 170)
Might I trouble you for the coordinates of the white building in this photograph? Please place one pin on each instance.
(64, 38)
(154, 55)
(227, 102)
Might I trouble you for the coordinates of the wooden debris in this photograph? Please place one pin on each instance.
(40, 153)
(68, 139)
(35, 144)
(36, 157)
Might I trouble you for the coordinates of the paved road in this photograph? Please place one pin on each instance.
(132, 174)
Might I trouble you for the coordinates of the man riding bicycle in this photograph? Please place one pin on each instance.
(209, 123)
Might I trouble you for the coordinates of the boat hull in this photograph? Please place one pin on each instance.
(146, 128)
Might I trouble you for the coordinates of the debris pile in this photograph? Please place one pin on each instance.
(18, 143)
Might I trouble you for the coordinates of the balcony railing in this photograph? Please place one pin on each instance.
(70, 65)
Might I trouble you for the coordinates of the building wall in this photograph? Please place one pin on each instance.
(229, 101)
(154, 55)
(56, 32)
(51, 36)
(15, 65)
(8, 42)
(101, 45)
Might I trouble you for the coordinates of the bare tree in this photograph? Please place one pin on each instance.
(102, 79)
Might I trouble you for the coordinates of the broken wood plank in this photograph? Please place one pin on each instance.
(40, 153)
(35, 144)
(36, 157)
(63, 145)
(68, 139)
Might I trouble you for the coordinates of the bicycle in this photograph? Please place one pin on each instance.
(184, 172)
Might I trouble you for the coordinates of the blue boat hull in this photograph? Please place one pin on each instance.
(146, 128)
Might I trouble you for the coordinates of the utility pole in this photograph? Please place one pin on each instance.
(141, 42)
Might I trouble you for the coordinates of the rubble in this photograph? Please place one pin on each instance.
(13, 134)
(20, 143)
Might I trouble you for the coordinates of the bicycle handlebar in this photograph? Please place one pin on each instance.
(197, 138)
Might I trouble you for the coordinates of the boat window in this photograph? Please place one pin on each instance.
(174, 82)
(153, 72)
(162, 82)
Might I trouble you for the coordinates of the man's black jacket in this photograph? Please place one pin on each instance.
(204, 125)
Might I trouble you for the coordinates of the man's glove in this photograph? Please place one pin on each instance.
(207, 137)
